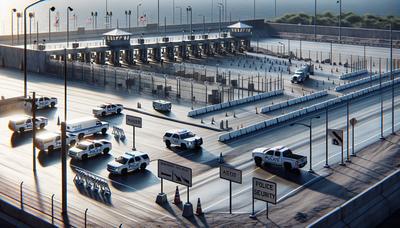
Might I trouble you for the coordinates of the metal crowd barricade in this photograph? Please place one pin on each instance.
(92, 182)
(118, 132)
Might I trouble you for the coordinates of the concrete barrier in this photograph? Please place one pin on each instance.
(216, 107)
(368, 209)
(353, 74)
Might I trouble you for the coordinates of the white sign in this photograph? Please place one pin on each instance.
(230, 174)
(175, 173)
(264, 190)
(134, 121)
(337, 136)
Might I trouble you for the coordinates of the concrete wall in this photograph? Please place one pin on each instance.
(14, 103)
(22, 216)
(368, 209)
(13, 57)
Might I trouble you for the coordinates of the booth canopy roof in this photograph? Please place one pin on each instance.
(117, 32)
(240, 25)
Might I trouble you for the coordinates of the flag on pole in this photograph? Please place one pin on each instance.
(57, 20)
(143, 19)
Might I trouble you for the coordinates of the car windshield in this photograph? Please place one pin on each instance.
(121, 160)
(187, 135)
(103, 106)
(82, 147)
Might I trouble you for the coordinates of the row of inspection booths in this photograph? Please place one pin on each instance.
(118, 47)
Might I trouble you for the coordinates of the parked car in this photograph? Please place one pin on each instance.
(25, 123)
(129, 162)
(86, 126)
(108, 109)
(280, 156)
(88, 148)
(183, 138)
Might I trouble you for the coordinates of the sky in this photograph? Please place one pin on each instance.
(236, 9)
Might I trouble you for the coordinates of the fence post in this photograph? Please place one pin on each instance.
(21, 196)
(86, 217)
(52, 209)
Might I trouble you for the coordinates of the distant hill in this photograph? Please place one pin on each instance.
(348, 20)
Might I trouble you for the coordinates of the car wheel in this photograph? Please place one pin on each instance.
(80, 136)
(22, 130)
(50, 148)
(119, 111)
(124, 171)
(183, 146)
(41, 125)
(168, 144)
(143, 166)
(103, 114)
(106, 150)
(287, 166)
(258, 161)
(104, 131)
(52, 104)
(84, 157)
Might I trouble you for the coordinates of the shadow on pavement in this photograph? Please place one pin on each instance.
(49, 158)
(19, 139)
(93, 164)
(133, 181)
(197, 155)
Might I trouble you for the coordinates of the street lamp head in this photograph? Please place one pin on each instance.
(14, 10)
(317, 117)
(31, 15)
(53, 8)
(70, 9)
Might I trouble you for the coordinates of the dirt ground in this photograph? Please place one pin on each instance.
(336, 186)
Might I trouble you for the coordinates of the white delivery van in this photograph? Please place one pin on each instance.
(52, 141)
(162, 105)
(86, 126)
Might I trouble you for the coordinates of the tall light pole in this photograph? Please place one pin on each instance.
(158, 16)
(12, 25)
(51, 9)
(204, 23)
(128, 16)
(25, 47)
(254, 10)
(212, 11)
(31, 15)
(69, 9)
(315, 20)
(275, 9)
(137, 14)
(18, 23)
(220, 6)
(173, 12)
(180, 9)
(109, 15)
(340, 19)
(310, 127)
(189, 10)
(106, 13)
(391, 73)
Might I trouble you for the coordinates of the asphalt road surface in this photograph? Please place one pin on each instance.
(133, 196)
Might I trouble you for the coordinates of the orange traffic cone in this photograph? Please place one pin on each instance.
(199, 211)
(177, 199)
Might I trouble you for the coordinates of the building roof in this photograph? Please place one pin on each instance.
(117, 32)
(240, 25)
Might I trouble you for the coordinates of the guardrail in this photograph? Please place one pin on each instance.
(217, 107)
(304, 111)
(364, 80)
(353, 74)
(294, 101)
(367, 209)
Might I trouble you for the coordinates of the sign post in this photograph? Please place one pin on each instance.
(353, 122)
(133, 121)
(265, 191)
(178, 174)
(337, 140)
(232, 175)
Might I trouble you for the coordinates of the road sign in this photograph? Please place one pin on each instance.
(230, 174)
(337, 136)
(134, 121)
(264, 190)
(353, 121)
(175, 173)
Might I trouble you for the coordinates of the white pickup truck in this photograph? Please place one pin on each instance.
(183, 138)
(25, 123)
(85, 149)
(108, 109)
(43, 102)
(280, 156)
(129, 162)
(52, 141)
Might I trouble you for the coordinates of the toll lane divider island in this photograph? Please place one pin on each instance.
(304, 111)
(365, 80)
(217, 107)
(293, 101)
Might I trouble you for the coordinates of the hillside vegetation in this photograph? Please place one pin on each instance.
(348, 20)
